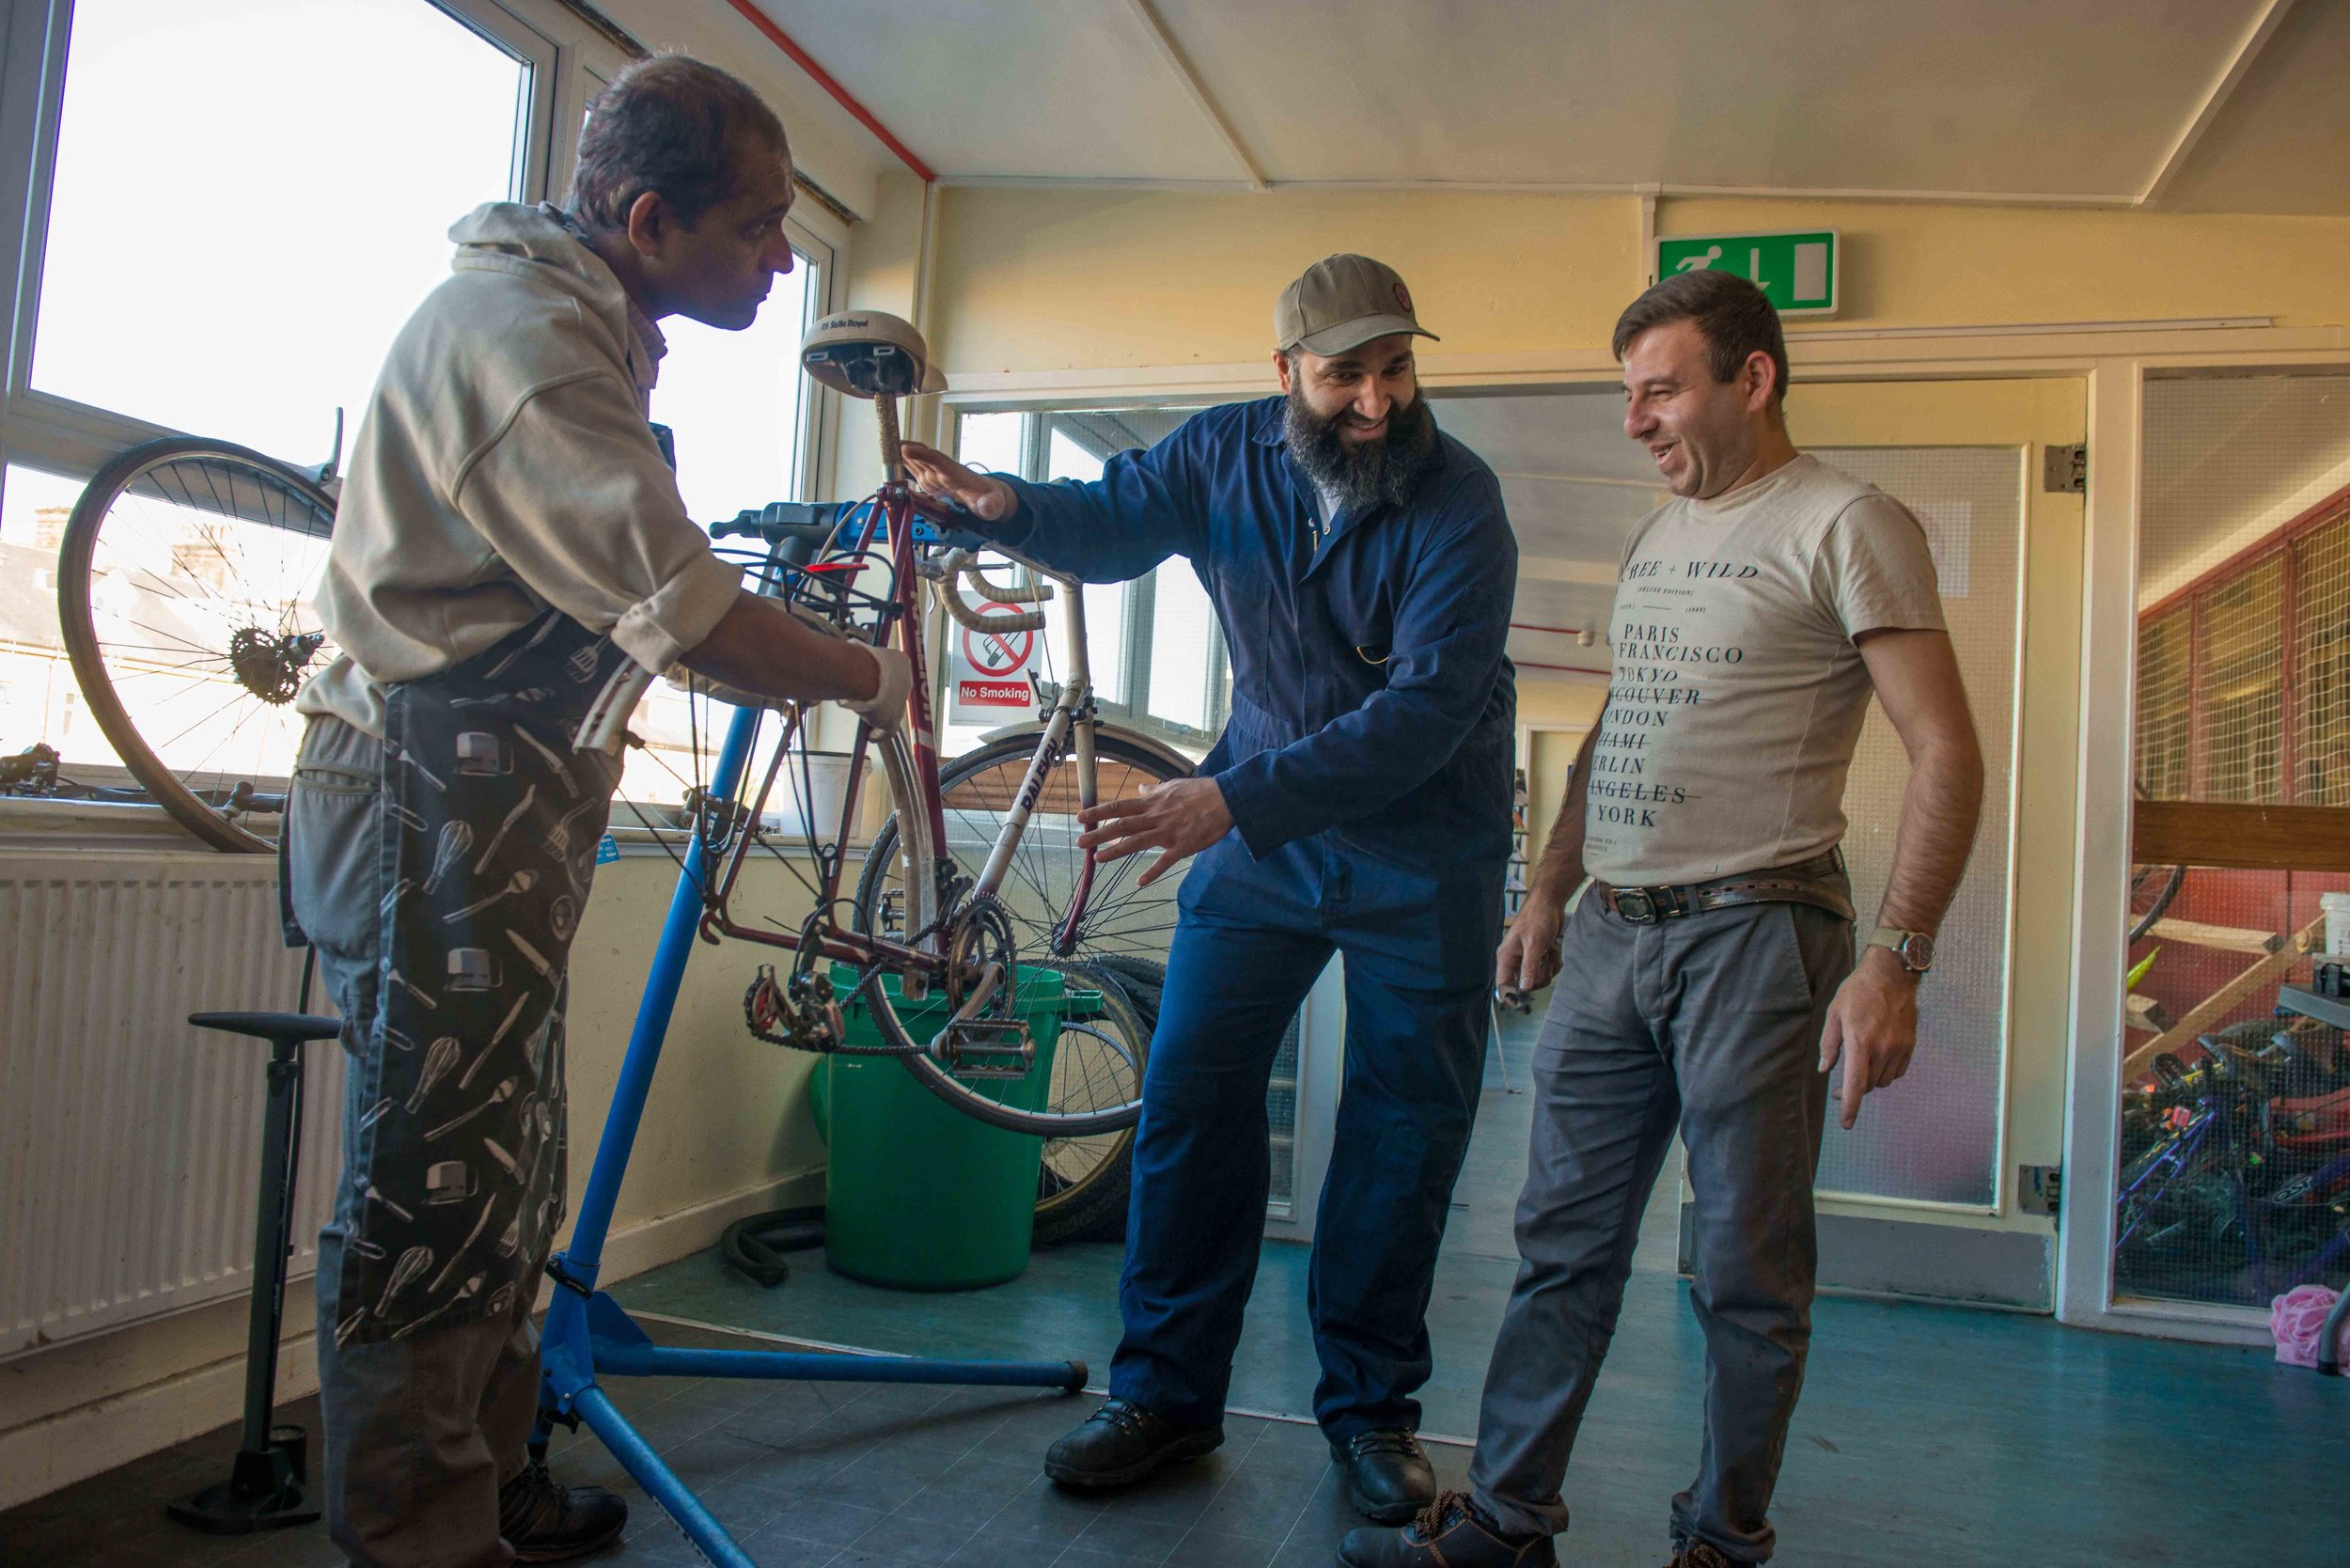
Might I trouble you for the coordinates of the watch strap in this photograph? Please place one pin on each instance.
(1896, 941)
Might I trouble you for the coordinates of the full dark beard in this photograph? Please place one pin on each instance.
(1362, 473)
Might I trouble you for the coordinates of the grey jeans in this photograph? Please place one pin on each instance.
(419, 1432)
(1711, 1023)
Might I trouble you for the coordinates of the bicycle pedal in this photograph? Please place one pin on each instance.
(986, 1048)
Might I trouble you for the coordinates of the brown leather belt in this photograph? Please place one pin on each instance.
(1819, 882)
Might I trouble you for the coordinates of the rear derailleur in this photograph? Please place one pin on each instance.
(799, 1012)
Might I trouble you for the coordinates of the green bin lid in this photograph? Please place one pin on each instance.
(1042, 991)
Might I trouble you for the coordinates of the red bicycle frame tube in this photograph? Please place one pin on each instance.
(895, 507)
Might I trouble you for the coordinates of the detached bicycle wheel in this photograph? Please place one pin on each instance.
(184, 585)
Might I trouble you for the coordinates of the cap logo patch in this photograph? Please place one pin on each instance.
(1403, 298)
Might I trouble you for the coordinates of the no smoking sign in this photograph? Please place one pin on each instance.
(989, 670)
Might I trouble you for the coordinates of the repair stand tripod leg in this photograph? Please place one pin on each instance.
(588, 1333)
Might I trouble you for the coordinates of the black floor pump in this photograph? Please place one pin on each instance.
(269, 1484)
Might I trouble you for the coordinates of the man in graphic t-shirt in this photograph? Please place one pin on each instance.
(1708, 980)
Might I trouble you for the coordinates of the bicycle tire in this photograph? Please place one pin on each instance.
(1098, 1211)
(2142, 876)
(1008, 759)
(241, 486)
(1082, 1184)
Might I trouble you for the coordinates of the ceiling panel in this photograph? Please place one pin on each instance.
(1067, 89)
(2014, 96)
(2282, 144)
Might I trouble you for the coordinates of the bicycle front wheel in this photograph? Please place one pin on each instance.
(184, 590)
(1101, 1091)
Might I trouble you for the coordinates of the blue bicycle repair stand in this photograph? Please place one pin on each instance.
(588, 1333)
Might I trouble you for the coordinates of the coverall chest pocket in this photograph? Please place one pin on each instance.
(1364, 626)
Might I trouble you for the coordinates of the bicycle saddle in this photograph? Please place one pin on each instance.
(870, 354)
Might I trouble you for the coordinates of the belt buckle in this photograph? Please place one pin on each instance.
(1635, 905)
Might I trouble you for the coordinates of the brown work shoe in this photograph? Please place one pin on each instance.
(1702, 1554)
(545, 1521)
(1450, 1532)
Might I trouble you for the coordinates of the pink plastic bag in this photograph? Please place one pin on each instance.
(2296, 1318)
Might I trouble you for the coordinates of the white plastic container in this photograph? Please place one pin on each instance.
(2337, 908)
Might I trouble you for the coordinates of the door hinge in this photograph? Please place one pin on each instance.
(2040, 1189)
(2064, 468)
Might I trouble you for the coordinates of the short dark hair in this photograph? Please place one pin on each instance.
(671, 125)
(1735, 318)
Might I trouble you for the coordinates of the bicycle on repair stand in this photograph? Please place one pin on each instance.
(976, 871)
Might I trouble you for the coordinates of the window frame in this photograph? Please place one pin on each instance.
(565, 61)
(2282, 547)
(1140, 601)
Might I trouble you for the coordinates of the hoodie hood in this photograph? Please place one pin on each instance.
(534, 242)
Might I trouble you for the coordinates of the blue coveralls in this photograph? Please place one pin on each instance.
(1367, 765)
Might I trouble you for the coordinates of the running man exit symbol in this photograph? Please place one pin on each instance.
(1796, 269)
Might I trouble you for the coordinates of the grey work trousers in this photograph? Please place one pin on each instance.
(420, 1432)
(1713, 1022)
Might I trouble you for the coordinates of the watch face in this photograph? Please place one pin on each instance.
(1918, 951)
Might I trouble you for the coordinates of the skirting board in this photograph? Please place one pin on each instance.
(88, 1439)
(2011, 1269)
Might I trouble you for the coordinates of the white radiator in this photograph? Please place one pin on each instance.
(129, 1143)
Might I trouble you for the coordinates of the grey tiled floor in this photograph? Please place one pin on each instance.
(810, 1475)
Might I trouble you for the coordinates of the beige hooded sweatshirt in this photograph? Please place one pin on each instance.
(505, 465)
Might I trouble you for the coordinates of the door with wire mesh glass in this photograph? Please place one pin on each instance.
(1923, 1195)
(2233, 1172)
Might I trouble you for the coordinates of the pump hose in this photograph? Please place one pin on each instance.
(754, 1247)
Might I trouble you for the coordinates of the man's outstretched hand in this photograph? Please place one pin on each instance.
(984, 495)
(1179, 818)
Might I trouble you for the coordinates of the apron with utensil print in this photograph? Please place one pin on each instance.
(489, 832)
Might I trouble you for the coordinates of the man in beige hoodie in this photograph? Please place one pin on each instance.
(511, 538)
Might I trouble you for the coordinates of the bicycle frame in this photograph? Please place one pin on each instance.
(1071, 721)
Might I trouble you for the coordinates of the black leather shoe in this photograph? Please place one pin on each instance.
(1121, 1442)
(1388, 1478)
(1449, 1533)
(544, 1522)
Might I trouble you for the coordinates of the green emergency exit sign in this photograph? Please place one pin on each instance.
(1797, 269)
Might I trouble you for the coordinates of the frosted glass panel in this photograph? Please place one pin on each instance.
(1936, 1134)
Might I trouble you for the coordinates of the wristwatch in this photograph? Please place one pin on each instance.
(1915, 948)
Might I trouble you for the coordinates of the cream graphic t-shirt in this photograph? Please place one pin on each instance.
(1737, 693)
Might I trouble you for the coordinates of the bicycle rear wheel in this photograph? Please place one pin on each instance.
(1120, 920)
(1083, 1181)
(184, 590)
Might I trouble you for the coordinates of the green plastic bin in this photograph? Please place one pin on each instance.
(921, 1197)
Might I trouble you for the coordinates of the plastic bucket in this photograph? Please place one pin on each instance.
(921, 1196)
(2337, 910)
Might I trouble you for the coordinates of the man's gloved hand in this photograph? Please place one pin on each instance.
(885, 710)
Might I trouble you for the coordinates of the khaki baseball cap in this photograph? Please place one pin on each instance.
(1342, 302)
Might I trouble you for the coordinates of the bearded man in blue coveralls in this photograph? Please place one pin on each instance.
(1358, 803)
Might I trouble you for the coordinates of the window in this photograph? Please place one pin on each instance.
(249, 200)
(737, 401)
(2239, 677)
(2164, 697)
(33, 510)
(740, 412)
(234, 209)
(2244, 675)
(1156, 648)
